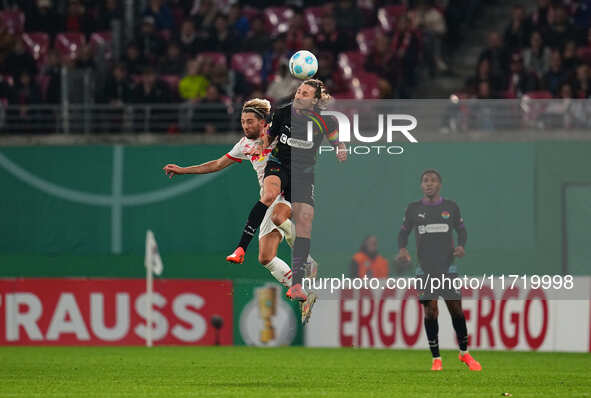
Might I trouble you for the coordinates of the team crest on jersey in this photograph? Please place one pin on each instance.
(445, 215)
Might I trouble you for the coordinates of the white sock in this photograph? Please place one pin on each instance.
(463, 352)
(289, 231)
(280, 271)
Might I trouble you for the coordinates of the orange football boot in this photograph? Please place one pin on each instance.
(471, 362)
(237, 257)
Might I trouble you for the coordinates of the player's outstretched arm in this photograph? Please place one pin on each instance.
(209, 167)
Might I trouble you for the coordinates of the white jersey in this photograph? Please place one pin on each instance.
(240, 152)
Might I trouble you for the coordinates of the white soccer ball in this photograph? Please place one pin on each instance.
(303, 65)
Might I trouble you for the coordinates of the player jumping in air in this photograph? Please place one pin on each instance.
(254, 119)
(433, 219)
(290, 170)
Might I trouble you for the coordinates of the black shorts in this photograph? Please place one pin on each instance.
(433, 289)
(296, 187)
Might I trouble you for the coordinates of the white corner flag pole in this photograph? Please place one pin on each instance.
(153, 264)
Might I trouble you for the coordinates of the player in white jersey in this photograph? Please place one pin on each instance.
(276, 224)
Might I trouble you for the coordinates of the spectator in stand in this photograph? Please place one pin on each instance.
(536, 59)
(151, 90)
(427, 19)
(309, 43)
(519, 81)
(6, 43)
(555, 75)
(484, 74)
(6, 92)
(222, 38)
(495, 54)
(162, 15)
(108, 12)
(257, 39)
(282, 86)
(582, 84)
(518, 32)
(43, 18)
(406, 48)
(118, 91)
(327, 72)
(204, 13)
(193, 86)
(539, 19)
(212, 114)
(560, 30)
(296, 31)
(118, 87)
(382, 60)
(134, 62)
(52, 70)
(151, 45)
(190, 40)
(26, 92)
(78, 20)
(331, 40)
(569, 58)
(19, 60)
(238, 23)
(276, 56)
(174, 62)
(348, 16)
(85, 59)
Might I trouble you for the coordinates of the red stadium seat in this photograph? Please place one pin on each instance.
(365, 86)
(218, 58)
(351, 63)
(313, 16)
(250, 65)
(37, 44)
(69, 44)
(387, 16)
(585, 55)
(13, 20)
(278, 19)
(102, 39)
(365, 39)
(538, 95)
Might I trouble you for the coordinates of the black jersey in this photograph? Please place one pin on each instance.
(433, 224)
(293, 149)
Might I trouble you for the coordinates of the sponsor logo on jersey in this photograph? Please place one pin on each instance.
(296, 143)
(432, 228)
(445, 215)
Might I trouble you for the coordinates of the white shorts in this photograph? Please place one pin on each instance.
(267, 225)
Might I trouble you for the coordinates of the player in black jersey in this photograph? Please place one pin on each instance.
(434, 219)
(290, 170)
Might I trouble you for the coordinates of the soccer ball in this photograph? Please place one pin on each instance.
(303, 65)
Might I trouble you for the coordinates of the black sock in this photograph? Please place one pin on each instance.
(255, 218)
(301, 249)
(461, 332)
(432, 329)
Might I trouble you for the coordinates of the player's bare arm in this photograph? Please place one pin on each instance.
(209, 167)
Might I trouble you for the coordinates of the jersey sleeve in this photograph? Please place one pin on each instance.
(332, 130)
(275, 125)
(406, 228)
(458, 225)
(237, 152)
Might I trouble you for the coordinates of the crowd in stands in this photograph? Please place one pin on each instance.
(220, 52)
(544, 54)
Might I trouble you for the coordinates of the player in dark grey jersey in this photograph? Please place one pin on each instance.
(434, 219)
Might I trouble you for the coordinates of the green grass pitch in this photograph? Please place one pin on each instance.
(283, 372)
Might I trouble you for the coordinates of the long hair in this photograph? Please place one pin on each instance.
(324, 98)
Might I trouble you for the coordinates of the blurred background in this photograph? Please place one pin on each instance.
(97, 96)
